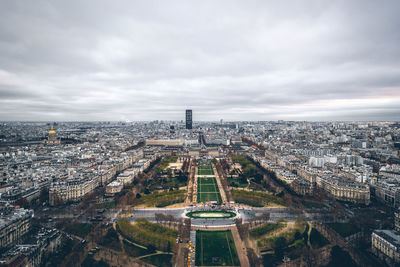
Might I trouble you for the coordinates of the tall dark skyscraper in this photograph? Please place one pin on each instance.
(188, 119)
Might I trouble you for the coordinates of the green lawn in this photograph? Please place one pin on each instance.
(105, 205)
(216, 248)
(148, 234)
(317, 240)
(265, 229)
(339, 257)
(208, 197)
(134, 251)
(160, 260)
(205, 172)
(162, 199)
(310, 205)
(249, 203)
(208, 187)
(111, 240)
(205, 169)
(208, 190)
(207, 180)
(255, 198)
(344, 229)
(295, 238)
(236, 182)
(90, 262)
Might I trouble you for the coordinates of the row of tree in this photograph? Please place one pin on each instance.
(222, 176)
(160, 199)
(249, 170)
(255, 198)
(296, 237)
(266, 228)
(185, 165)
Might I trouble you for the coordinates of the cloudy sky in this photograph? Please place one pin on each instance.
(235, 60)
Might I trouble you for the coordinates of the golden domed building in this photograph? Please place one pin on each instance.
(52, 139)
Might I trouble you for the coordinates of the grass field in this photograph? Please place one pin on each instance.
(134, 251)
(344, 229)
(256, 198)
(160, 260)
(263, 229)
(147, 233)
(207, 187)
(207, 190)
(216, 248)
(317, 240)
(205, 169)
(311, 205)
(111, 240)
(161, 199)
(202, 171)
(208, 180)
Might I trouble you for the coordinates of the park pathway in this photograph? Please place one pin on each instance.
(190, 187)
(221, 189)
(240, 247)
(194, 189)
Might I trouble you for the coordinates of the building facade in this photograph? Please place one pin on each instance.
(113, 188)
(388, 192)
(397, 220)
(71, 190)
(14, 223)
(346, 190)
(386, 245)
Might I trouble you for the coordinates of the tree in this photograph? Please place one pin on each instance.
(297, 235)
(170, 219)
(182, 177)
(169, 174)
(44, 195)
(299, 244)
(151, 249)
(279, 244)
(158, 217)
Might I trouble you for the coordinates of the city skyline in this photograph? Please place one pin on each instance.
(97, 61)
(80, 194)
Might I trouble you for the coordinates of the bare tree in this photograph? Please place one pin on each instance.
(158, 217)
(243, 229)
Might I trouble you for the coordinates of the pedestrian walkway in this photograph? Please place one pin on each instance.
(192, 249)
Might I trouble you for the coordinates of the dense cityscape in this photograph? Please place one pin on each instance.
(206, 133)
(285, 193)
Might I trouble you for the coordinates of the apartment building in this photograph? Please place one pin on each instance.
(14, 223)
(345, 190)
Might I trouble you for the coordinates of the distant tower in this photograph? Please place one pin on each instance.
(189, 119)
(52, 139)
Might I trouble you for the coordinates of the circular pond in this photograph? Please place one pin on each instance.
(217, 214)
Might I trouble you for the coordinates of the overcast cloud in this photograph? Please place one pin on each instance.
(236, 60)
